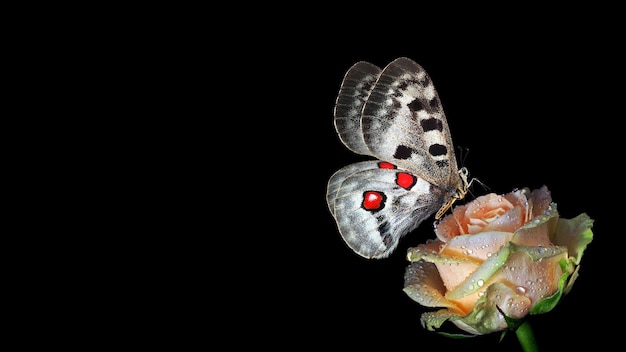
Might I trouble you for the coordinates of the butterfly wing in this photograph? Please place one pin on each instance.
(375, 204)
(403, 122)
(355, 89)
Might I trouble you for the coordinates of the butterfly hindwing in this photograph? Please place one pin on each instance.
(375, 204)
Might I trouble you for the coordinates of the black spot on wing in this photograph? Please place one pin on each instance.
(402, 87)
(435, 104)
(403, 152)
(431, 124)
(437, 149)
(416, 105)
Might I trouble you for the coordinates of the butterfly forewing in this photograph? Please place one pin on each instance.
(357, 85)
(403, 122)
(394, 115)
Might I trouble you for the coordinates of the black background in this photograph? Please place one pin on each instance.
(530, 110)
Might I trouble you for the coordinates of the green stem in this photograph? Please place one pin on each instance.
(526, 337)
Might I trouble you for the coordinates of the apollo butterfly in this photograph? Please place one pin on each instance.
(393, 115)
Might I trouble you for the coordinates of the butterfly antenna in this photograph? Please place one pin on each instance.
(463, 152)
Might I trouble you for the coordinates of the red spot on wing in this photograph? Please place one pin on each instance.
(373, 200)
(405, 180)
(386, 165)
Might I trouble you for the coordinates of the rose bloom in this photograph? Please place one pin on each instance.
(499, 255)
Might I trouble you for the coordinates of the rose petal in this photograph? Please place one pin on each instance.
(537, 232)
(423, 284)
(574, 233)
(518, 198)
(453, 266)
(509, 222)
(481, 276)
(487, 207)
(454, 273)
(434, 320)
(450, 226)
(486, 316)
(540, 200)
(532, 273)
(430, 248)
(479, 246)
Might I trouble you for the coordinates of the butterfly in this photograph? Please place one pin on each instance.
(394, 115)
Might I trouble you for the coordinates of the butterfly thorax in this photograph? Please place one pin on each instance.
(459, 193)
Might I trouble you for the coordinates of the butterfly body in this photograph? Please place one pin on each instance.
(393, 115)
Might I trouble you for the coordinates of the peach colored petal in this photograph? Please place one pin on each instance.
(511, 301)
(487, 206)
(518, 197)
(537, 232)
(479, 246)
(534, 236)
(534, 279)
(422, 284)
(468, 302)
(450, 226)
(509, 222)
(453, 274)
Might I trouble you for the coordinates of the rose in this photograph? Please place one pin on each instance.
(496, 260)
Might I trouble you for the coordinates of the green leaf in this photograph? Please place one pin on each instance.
(455, 336)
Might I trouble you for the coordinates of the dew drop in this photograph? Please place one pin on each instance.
(480, 283)
(520, 289)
